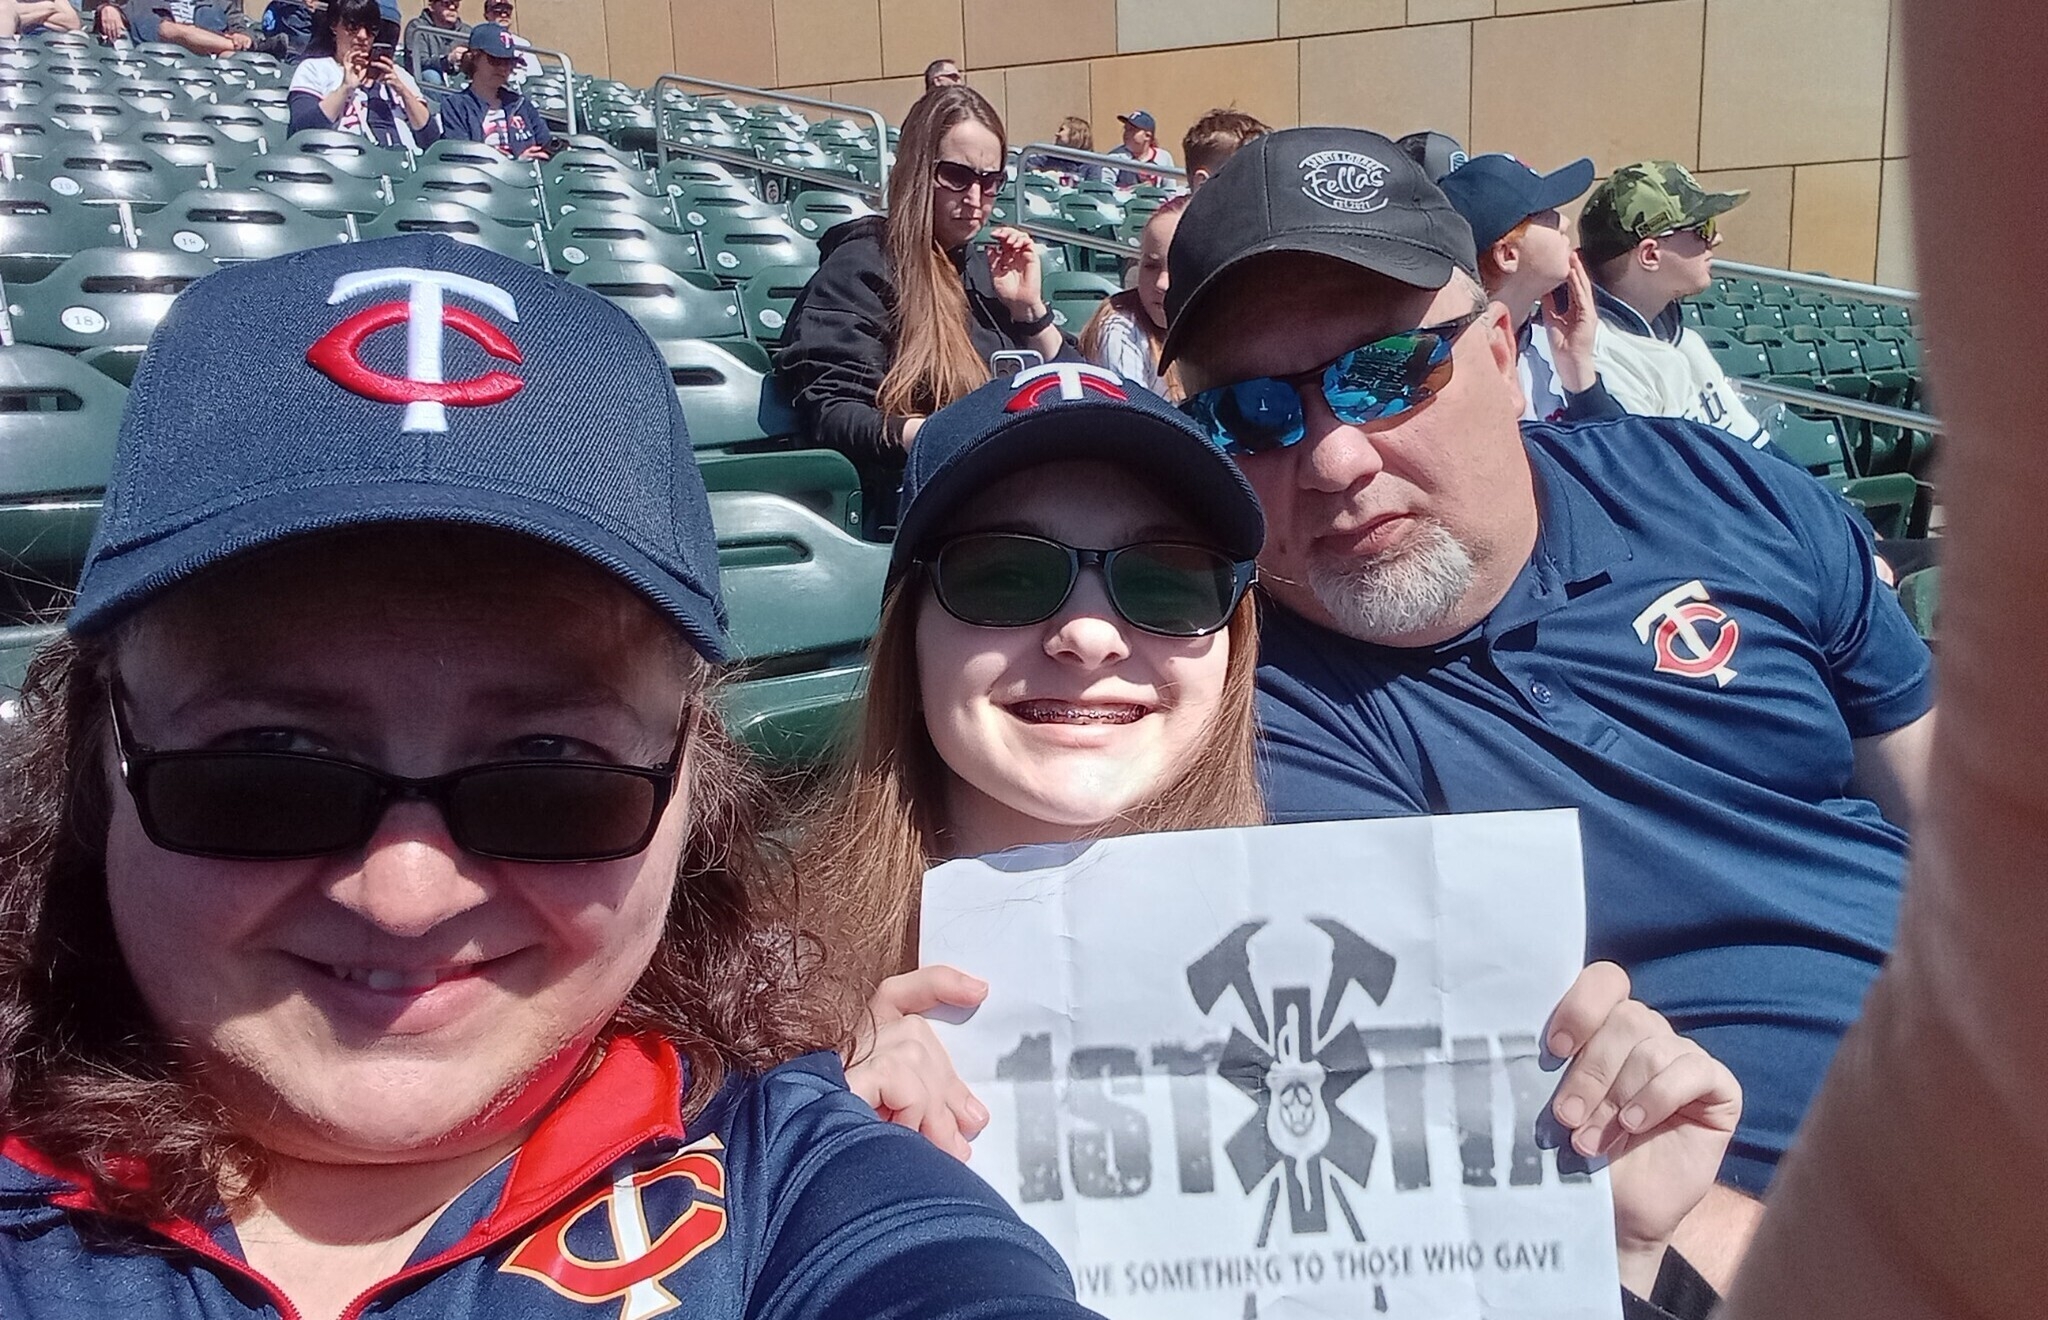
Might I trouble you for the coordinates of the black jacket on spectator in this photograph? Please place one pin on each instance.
(837, 345)
(462, 117)
(427, 49)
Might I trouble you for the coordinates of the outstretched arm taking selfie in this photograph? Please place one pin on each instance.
(1915, 1188)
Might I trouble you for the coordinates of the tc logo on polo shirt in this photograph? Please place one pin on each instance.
(1694, 638)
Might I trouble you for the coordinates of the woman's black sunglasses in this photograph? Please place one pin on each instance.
(1012, 580)
(955, 177)
(275, 806)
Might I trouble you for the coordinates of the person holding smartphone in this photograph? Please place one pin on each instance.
(1528, 264)
(905, 313)
(350, 80)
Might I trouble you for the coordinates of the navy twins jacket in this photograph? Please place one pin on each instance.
(786, 1199)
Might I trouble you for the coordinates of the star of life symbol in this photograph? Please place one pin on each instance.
(642, 1254)
(1674, 624)
(1295, 1073)
(1073, 380)
(424, 388)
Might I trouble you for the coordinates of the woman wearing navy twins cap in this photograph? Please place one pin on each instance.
(384, 921)
(1066, 653)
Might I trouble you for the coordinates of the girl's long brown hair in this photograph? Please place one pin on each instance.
(933, 360)
(88, 1080)
(882, 824)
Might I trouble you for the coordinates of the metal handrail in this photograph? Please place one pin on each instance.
(568, 69)
(1797, 279)
(1093, 242)
(1905, 418)
(884, 158)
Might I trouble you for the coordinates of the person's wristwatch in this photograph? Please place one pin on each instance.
(1037, 324)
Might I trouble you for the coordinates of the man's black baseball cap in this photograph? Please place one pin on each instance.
(1334, 192)
(1495, 193)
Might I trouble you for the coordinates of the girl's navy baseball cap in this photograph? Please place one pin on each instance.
(405, 380)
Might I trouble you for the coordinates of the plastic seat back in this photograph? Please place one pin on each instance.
(39, 229)
(801, 593)
(584, 236)
(768, 295)
(461, 223)
(245, 224)
(730, 398)
(103, 298)
(58, 420)
(669, 305)
(314, 184)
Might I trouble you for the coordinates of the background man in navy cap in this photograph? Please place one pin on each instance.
(1527, 263)
(1141, 144)
(1679, 636)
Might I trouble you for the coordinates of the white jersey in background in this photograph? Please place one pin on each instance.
(1664, 369)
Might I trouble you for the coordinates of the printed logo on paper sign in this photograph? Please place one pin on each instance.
(1344, 181)
(1295, 1072)
(1693, 637)
(425, 312)
(652, 1224)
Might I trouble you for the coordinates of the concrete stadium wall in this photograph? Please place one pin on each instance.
(1798, 100)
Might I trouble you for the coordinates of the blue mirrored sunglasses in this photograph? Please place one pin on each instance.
(1375, 380)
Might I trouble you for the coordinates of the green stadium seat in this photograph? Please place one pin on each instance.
(314, 184)
(103, 173)
(600, 196)
(1867, 315)
(461, 151)
(803, 598)
(91, 112)
(1799, 315)
(192, 144)
(1074, 296)
(1920, 594)
(1889, 502)
(1738, 359)
(588, 166)
(1835, 314)
(1722, 316)
(1795, 363)
(822, 480)
(23, 133)
(766, 298)
(814, 211)
(152, 96)
(230, 225)
(348, 152)
(685, 171)
(58, 419)
(585, 236)
(241, 124)
(501, 195)
(668, 304)
(105, 301)
(737, 248)
(729, 396)
(1899, 316)
(459, 222)
(700, 205)
(39, 229)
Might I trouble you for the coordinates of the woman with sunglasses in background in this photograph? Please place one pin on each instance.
(1066, 653)
(902, 318)
(385, 921)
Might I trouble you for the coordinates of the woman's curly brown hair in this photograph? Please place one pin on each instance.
(88, 1080)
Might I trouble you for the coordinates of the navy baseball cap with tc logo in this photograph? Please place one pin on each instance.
(1335, 192)
(404, 380)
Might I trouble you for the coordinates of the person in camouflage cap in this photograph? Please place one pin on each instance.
(1648, 235)
(1650, 199)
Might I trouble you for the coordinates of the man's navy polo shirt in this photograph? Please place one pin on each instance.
(1687, 657)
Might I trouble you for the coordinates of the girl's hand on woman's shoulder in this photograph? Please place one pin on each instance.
(900, 1067)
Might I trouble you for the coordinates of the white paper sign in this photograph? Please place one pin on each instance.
(1289, 1071)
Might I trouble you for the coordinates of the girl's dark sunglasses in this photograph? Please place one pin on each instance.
(955, 177)
(1375, 380)
(1012, 580)
(275, 806)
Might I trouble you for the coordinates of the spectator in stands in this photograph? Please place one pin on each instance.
(488, 111)
(287, 31)
(1140, 144)
(1528, 264)
(203, 29)
(20, 18)
(942, 73)
(1215, 138)
(1127, 330)
(433, 56)
(903, 317)
(1642, 618)
(379, 890)
(966, 745)
(1437, 153)
(1648, 236)
(350, 80)
(1074, 132)
(500, 12)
